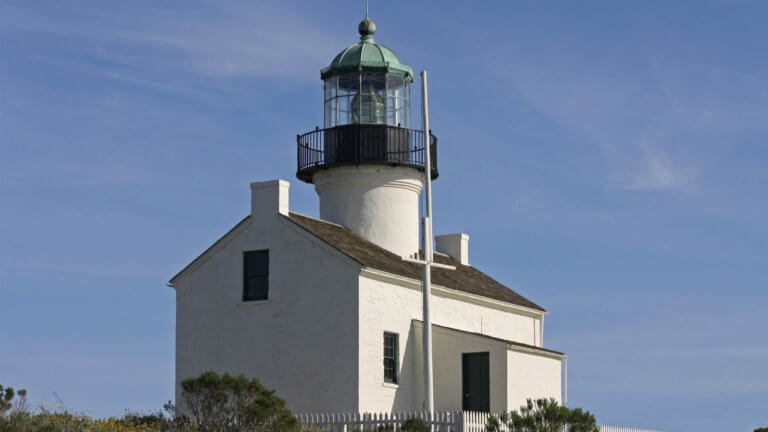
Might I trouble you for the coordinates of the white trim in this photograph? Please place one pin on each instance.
(407, 282)
(564, 380)
(518, 348)
(541, 331)
(401, 177)
(390, 385)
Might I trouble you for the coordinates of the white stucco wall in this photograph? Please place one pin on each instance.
(302, 341)
(387, 306)
(448, 347)
(378, 202)
(532, 375)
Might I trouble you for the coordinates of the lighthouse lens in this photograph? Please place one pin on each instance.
(368, 105)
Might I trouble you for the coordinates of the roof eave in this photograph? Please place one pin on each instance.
(415, 283)
(515, 344)
(405, 72)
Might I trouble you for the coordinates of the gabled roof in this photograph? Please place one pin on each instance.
(465, 278)
(210, 249)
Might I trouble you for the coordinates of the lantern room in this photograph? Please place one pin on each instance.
(366, 113)
(367, 84)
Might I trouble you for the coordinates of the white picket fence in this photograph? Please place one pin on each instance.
(624, 429)
(349, 422)
(459, 421)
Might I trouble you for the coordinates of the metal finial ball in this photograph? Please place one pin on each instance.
(367, 27)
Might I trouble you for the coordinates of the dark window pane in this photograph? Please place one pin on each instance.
(257, 263)
(255, 275)
(256, 288)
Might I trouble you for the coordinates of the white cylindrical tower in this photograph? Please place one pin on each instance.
(367, 164)
(381, 203)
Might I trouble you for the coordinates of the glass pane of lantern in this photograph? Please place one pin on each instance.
(369, 106)
(407, 105)
(330, 87)
(349, 84)
(343, 114)
(401, 113)
(395, 86)
(331, 118)
(329, 112)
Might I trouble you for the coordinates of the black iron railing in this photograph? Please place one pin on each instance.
(362, 144)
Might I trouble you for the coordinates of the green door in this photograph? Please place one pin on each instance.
(475, 382)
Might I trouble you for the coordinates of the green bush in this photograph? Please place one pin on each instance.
(414, 425)
(544, 415)
(7, 395)
(762, 429)
(227, 403)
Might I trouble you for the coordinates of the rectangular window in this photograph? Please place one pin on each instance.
(255, 275)
(391, 355)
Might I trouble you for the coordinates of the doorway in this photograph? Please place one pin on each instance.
(475, 382)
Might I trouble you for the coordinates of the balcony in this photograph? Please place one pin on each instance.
(362, 144)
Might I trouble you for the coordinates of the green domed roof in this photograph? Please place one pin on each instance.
(367, 55)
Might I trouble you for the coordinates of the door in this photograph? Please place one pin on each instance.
(475, 382)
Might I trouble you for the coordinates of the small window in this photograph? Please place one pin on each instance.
(255, 275)
(391, 355)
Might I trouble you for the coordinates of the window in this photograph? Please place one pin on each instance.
(391, 355)
(255, 275)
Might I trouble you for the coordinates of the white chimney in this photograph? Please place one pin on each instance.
(454, 245)
(269, 198)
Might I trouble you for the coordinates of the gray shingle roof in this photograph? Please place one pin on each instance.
(465, 278)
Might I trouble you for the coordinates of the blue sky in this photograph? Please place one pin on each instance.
(608, 160)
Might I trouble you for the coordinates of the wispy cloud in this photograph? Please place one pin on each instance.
(659, 172)
(158, 47)
(620, 105)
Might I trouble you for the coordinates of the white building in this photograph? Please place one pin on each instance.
(325, 310)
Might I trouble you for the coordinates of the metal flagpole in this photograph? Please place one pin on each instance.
(428, 256)
(428, 261)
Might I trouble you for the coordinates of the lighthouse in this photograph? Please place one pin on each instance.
(366, 164)
(335, 313)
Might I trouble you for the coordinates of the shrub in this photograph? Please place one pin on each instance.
(7, 395)
(227, 403)
(414, 425)
(544, 415)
